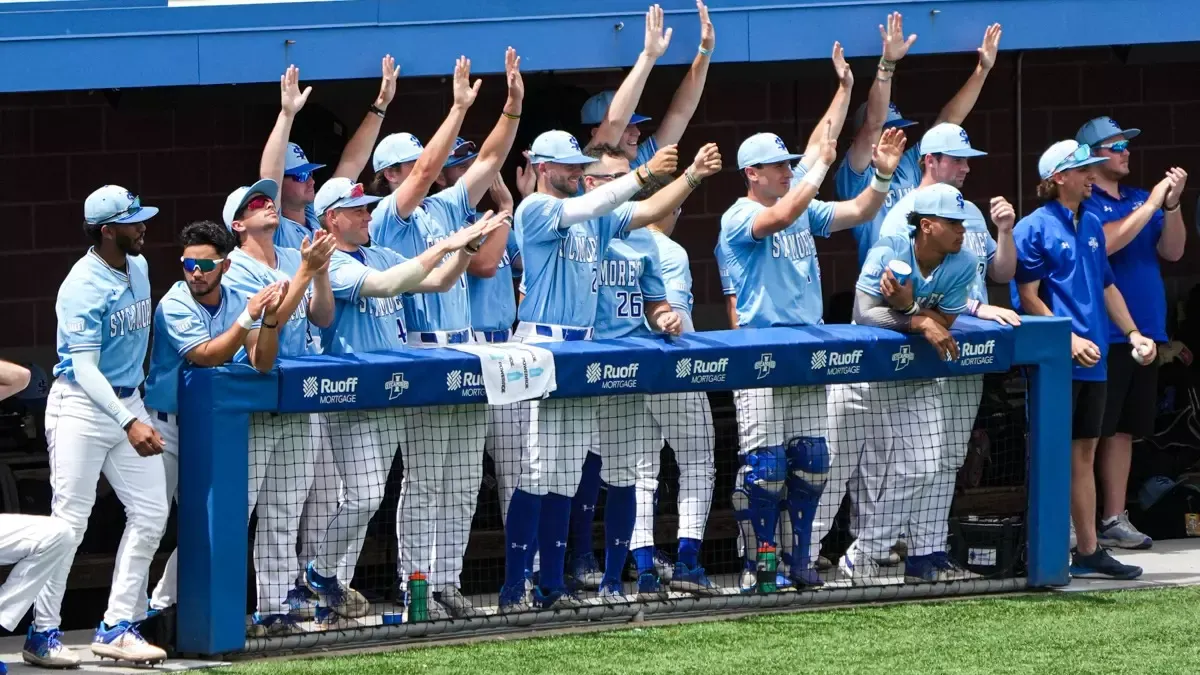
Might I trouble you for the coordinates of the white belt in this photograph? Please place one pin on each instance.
(435, 338)
(553, 331)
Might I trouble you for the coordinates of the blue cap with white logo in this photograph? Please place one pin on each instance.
(763, 148)
(558, 147)
(1064, 156)
(948, 139)
(595, 109)
(894, 118)
(463, 151)
(1101, 129)
(296, 162)
(396, 149)
(941, 201)
(113, 204)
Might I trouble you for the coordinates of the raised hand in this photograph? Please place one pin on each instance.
(887, 153)
(895, 47)
(989, 48)
(275, 301)
(707, 162)
(464, 91)
(899, 296)
(841, 68)
(828, 145)
(1003, 214)
(260, 301)
(512, 71)
(291, 99)
(387, 86)
(526, 177)
(1158, 194)
(665, 161)
(1178, 178)
(500, 193)
(315, 255)
(657, 40)
(708, 34)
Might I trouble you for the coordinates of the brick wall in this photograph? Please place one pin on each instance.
(184, 149)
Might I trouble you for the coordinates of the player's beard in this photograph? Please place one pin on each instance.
(565, 184)
(204, 286)
(129, 245)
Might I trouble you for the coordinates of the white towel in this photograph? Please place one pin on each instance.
(513, 371)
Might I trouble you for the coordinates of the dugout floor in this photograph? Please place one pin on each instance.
(1170, 563)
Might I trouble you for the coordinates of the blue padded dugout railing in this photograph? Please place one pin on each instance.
(215, 405)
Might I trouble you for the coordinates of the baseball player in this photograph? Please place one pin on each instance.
(367, 285)
(443, 445)
(889, 424)
(631, 299)
(1139, 227)
(945, 154)
(562, 239)
(297, 187)
(281, 446)
(1063, 270)
(95, 422)
(766, 240)
(205, 323)
(36, 546)
(610, 115)
(878, 113)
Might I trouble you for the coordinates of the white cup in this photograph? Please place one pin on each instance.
(901, 270)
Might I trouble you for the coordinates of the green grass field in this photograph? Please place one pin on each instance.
(1147, 631)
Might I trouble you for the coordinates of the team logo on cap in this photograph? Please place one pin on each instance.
(779, 142)
(574, 144)
(298, 152)
(962, 133)
(892, 108)
(961, 204)
(1113, 124)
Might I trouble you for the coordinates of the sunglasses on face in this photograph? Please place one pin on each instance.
(609, 176)
(259, 202)
(204, 264)
(301, 176)
(1116, 146)
(465, 150)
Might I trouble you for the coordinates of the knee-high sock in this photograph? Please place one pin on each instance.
(519, 533)
(583, 506)
(619, 512)
(552, 539)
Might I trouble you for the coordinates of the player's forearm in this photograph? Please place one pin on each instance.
(1118, 233)
(655, 311)
(858, 210)
(1173, 240)
(870, 310)
(97, 387)
(624, 101)
(219, 350)
(1004, 263)
(861, 149)
(600, 201)
(731, 310)
(275, 152)
(397, 279)
(957, 109)
(835, 118)
(484, 264)
(13, 379)
(263, 345)
(1031, 303)
(429, 164)
(684, 103)
(296, 292)
(663, 203)
(1118, 311)
(492, 153)
(320, 303)
(358, 150)
(785, 211)
(446, 275)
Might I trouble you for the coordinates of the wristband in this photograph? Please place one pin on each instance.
(706, 52)
(692, 181)
(913, 310)
(881, 183)
(510, 115)
(244, 320)
(816, 175)
(1170, 209)
(270, 325)
(377, 110)
(1130, 333)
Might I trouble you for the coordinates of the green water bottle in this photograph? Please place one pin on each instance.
(418, 609)
(766, 568)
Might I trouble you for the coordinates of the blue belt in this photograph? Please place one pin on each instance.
(494, 335)
(458, 338)
(568, 334)
(163, 417)
(124, 392)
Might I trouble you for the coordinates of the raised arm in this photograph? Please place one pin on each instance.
(312, 257)
(1118, 233)
(1004, 264)
(960, 106)
(895, 47)
(687, 96)
(864, 207)
(433, 157)
(486, 168)
(609, 196)
(666, 200)
(262, 344)
(416, 275)
(291, 100)
(358, 150)
(485, 263)
(835, 117)
(784, 212)
(1173, 239)
(626, 98)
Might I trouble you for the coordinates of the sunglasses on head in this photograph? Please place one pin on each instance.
(465, 150)
(300, 176)
(204, 264)
(1116, 146)
(134, 207)
(1082, 153)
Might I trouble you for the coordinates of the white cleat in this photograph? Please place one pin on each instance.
(123, 642)
(45, 649)
(861, 569)
(454, 602)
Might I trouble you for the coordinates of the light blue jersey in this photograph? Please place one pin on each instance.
(721, 255)
(363, 324)
(249, 276)
(848, 184)
(435, 219)
(946, 289)
(676, 272)
(977, 238)
(630, 275)
(106, 310)
(493, 302)
(562, 263)
(181, 324)
(777, 279)
(290, 234)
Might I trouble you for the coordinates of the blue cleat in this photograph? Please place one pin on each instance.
(650, 587)
(585, 573)
(692, 580)
(332, 594)
(805, 578)
(273, 625)
(555, 599)
(46, 649)
(301, 602)
(1100, 565)
(123, 642)
(514, 600)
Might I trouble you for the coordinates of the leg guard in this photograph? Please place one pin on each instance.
(759, 487)
(808, 469)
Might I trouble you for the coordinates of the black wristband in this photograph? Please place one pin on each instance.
(270, 325)
(377, 110)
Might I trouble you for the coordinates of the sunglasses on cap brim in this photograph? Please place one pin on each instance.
(463, 151)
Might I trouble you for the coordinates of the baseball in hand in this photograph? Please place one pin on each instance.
(1141, 354)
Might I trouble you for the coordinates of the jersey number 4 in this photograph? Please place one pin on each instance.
(629, 305)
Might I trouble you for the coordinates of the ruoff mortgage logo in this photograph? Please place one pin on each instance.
(469, 384)
(976, 353)
(837, 363)
(612, 377)
(330, 391)
(699, 371)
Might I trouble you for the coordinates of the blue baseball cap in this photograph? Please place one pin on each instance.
(595, 109)
(296, 162)
(558, 147)
(113, 204)
(341, 193)
(763, 148)
(1064, 156)
(948, 139)
(894, 118)
(941, 201)
(1101, 129)
(237, 200)
(463, 151)
(396, 149)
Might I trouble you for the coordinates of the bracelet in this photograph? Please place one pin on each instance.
(1170, 209)
(377, 110)
(471, 250)
(816, 175)
(270, 325)
(637, 174)
(881, 184)
(691, 179)
(1132, 332)
(245, 320)
(886, 66)
(510, 115)
(913, 309)
(706, 52)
